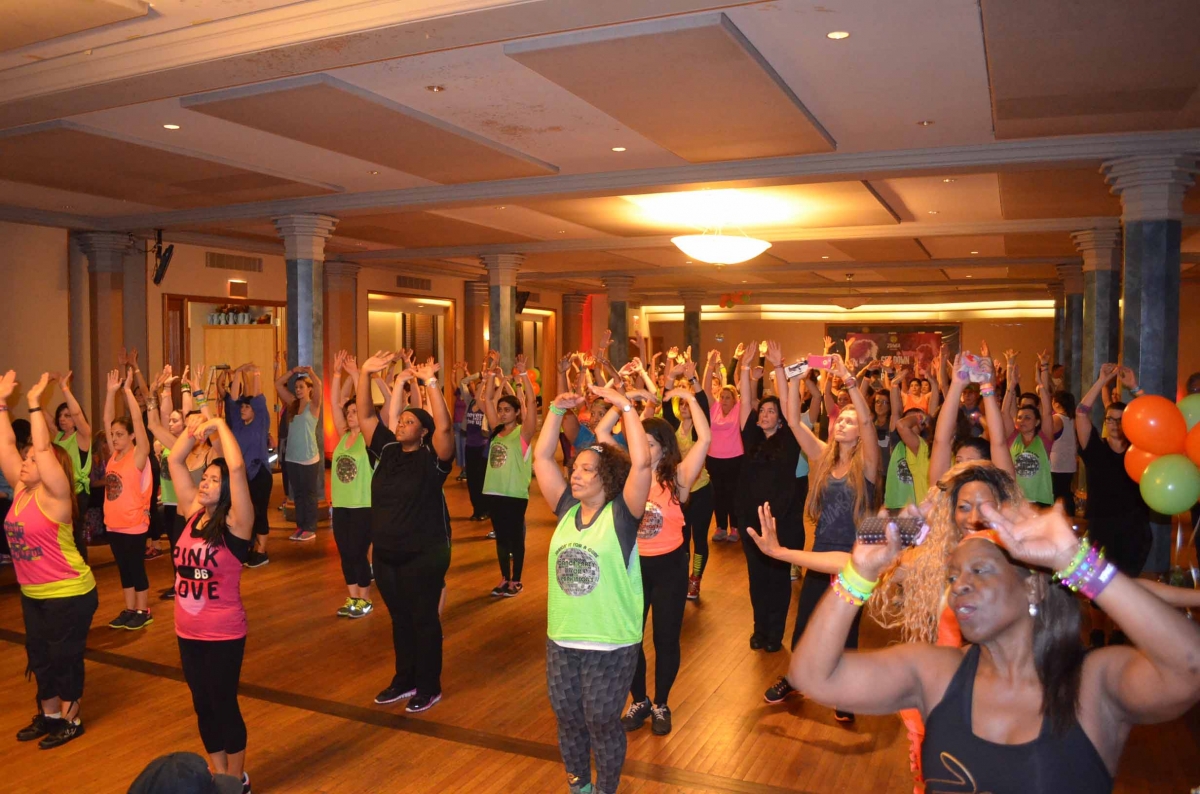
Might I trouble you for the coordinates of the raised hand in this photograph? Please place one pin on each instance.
(428, 370)
(127, 384)
(739, 350)
(185, 381)
(378, 362)
(983, 349)
(610, 395)
(521, 365)
(774, 353)
(65, 381)
(114, 381)
(34, 395)
(568, 401)
(714, 357)
(828, 341)
(199, 381)
(123, 359)
(606, 340)
(1128, 378)
(767, 539)
(133, 357)
(1108, 371)
(564, 364)
(1043, 539)
(683, 394)
(8, 384)
(193, 423)
(839, 367)
(205, 428)
(643, 395)
(351, 366)
(339, 361)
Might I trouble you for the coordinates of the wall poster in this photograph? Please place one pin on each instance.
(914, 345)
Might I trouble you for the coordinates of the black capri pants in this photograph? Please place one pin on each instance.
(212, 669)
(56, 631)
(352, 533)
(261, 486)
(129, 552)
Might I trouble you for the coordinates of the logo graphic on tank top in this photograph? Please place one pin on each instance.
(652, 522)
(112, 487)
(576, 569)
(1027, 464)
(903, 473)
(195, 577)
(347, 469)
(498, 456)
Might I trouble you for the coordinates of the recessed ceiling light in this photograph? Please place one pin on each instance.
(436, 89)
(824, 257)
(970, 276)
(373, 173)
(925, 123)
(949, 179)
(743, 281)
(170, 126)
(618, 148)
(420, 305)
(688, 262)
(837, 35)
(933, 212)
(562, 231)
(501, 207)
(974, 252)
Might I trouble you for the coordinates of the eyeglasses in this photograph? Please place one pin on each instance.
(1113, 419)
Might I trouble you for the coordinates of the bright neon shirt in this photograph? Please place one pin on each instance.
(47, 563)
(208, 595)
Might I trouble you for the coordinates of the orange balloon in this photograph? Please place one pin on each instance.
(1136, 461)
(1155, 424)
(1191, 444)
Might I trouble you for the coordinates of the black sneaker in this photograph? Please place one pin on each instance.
(140, 620)
(513, 590)
(65, 732)
(121, 620)
(257, 559)
(660, 724)
(843, 716)
(757, 642)
(246, 783)
(780, 691)
(167, 595)
(773, 646)
(394, 693)
(637, 715)
(422, 703)
(500, 589)
(40, 726)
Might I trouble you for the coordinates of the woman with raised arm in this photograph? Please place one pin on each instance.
(1028, 436)
(127, 488)
(303, 457)
(249, 418)
(840, 495)
(58, 591)
(594, 625)
(410, 530)
(73, 432)
(724, 462)
(908, 467)
(945, 452)
(351, 491)
(165, 437)
(477, 448)
(1020, 708)
(513, 420)
(210, 620)
(663, 552)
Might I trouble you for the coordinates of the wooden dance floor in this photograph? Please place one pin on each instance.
(309, 679)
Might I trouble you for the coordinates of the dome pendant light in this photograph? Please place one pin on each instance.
(720, 249)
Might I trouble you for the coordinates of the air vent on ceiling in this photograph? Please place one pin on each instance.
(534, 297)
(412, 282)
(247, 264)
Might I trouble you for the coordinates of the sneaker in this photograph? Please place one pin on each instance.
(120, 620)
(422, 703)
(638, 713)
(576, 785)
(296, 535)
(513, 590)
(394, 693)
(491, 535)
(720, 535)
(360, 608)
(660, 723)
(153, 552)
(41, 726)
(246, 783)
(733, 536)
(780, 691)
(757, 642)
(843, 716)
(500, 589)
(139, 620)
(64, 732)
(794, 572)
(303, 536)
(257, 559)
(167, 595)
(344, 611)
(693, 588)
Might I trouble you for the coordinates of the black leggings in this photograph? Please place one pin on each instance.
(697, 517)
(770, 579)
(1061, 482)
(129, 552)
(508, 520)
(664, 587)
(724, 473)
(56, 631)
(260, 496)
(812, 588)
(352, 533)
(174, 524)
(212, 669)
(79, 526)
(476, 471)
(411, 586)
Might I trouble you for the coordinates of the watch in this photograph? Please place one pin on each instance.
(626, 408)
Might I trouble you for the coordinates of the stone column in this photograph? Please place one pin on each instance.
(105, 252)
(692, 300)
(502, 305)
(1101, 250)
(341, 312)
(572, 318)
(304, 239)
(475, 294)
(618, 286)
(1072, 279)
(1060, 323)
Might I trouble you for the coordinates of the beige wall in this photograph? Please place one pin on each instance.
(1189, 332)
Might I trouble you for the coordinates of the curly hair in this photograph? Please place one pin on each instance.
(909, 595)
(614, 468)
(668, 464)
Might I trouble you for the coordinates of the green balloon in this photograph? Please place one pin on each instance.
(1171, 484)
(1190, 407)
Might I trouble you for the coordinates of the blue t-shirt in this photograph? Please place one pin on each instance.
(586, 438)
(251, 438)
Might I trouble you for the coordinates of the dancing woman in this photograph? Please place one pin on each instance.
(351, 491)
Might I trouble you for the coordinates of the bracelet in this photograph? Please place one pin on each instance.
(989, 391)
(3, 409)
(1085, 546)
(856, 580)
(844, 594)
(554, 409)
(850, 381)
(1136, 391)
(1083, 409)
(1095, 584)
(33, 409)
(431, 382)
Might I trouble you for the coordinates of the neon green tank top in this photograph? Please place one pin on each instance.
(351, 481)
(83, 483)
(595, 595)
(685, 446)
(1033, 470)
(907, 476)
(509, 467)
(166, 487)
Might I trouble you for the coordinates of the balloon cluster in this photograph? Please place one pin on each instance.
(730, 298)
(1165, 451)
(536, 378)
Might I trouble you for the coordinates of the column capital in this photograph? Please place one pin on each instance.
(618, 286)
(105, 251)
(692, 299)
(1151, 186)
(573, 303)
(304, 236)
(342, 276)
(350, 269)
(1056, 291)
(476, 292)
(1101, 249)
(502, 268)
(1072, 278)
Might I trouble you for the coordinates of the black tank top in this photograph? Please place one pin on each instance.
(956, 761)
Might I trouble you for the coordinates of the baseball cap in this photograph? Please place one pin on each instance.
(183, 773)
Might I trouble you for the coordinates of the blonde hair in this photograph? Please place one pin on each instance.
(856, 477)
(909, 594)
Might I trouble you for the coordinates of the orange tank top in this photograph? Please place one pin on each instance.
(127, 495)
(661, 530)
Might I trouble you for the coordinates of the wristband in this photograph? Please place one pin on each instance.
(988, 391)
(3, 409)
(856, 580)
(431, 382)
(554, 409)
(33, 409)
(843, 593)
(1136, 391)
(850, 381)
(1081, 553)
(1095, 584)
(1083, 409)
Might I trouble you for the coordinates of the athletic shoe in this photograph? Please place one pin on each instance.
(576, 785)
(720, 535)
(491, 535)
(246, 783)
(65, 732)
(122, 619)
(394, 693)
(139, 620)
(794, 573)
(733, 536)
(513, 590)
(344, 611)
(296, 535)
(843, 716)
(422, 703)
(304, 536)
(693, 588)
(360, 608)
(500, 589)
(636, 716)
(757, 641)
(153, 552)
(780, 691)
(257, 559)
(167, 595)
(40, 726)
(660, 723)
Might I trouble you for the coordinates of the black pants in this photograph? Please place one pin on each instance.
(508, 520)
(664, 588)
(812, 588)
(352, 533)
(260, 496)
(697, 517)
(157, 528)
(411, 586)
(174, 525)
(308, 484)
(212, 669)
(770, 579)
(1061, 482)
(724, 473)
(56, 631)
(476, 470)
(79, 526)
(129, 552)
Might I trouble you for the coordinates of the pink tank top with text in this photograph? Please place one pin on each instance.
(127, 495)
(208, 596)
(661, 530)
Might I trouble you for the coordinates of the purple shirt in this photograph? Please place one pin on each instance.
(252, 438)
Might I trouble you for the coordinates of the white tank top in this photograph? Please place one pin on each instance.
(1062, 454)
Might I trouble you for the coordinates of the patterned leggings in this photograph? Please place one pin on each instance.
(587, 692)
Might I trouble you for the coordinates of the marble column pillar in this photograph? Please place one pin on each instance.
(1101, 250)
(572, 329)
(1072, 280)
(106, 253)
(1060, 323)
(341, 311)
(304, 239)
(475, 320)
(692, 300)
(618, 286)
(1151, 188)
(502, 305)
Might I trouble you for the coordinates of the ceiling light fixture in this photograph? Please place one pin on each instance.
(925, 123)
(435, 89)
(933, 212)
(825, 257)
(970, 276)
(562, 231)
(618, 148)
(720, 249)
(170, 126)
(837, 35)
(949, 179)
(974, 252)
(373, 173)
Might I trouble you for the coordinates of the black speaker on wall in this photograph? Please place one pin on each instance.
(162, 258)
(522, 299)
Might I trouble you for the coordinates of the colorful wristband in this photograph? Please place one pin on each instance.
(844, 594)
(1092, 586)
(856, 580)
(1085, 546)
(554, 409)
